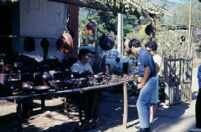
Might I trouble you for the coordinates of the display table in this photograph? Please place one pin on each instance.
(19, 98)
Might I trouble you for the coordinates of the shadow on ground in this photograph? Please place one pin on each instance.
(110, 112)
(167, 117)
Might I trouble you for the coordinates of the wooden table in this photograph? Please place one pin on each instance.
(19, 98)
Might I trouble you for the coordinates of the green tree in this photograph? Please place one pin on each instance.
(106, 22)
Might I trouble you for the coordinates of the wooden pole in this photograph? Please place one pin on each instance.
(120, 33)
(73, 25)
(153, 23)
(167, 90)
(189, 27)
(125, 117)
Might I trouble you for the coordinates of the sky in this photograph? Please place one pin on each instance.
(177, 1)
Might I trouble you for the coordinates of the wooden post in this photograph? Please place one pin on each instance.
(189, 27)
(190, 98)
(96, 70)
(73, 25)
(120, 33)
(167, 90)
(153, 24)
(125, 117)
(42, 102)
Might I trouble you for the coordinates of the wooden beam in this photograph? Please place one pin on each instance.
(93, 4)
(131, 7)
(124, 8)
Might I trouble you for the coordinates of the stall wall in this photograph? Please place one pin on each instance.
(41, 19)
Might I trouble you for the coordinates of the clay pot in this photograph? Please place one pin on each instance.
(29, 44)
(106, 42)
(90, 28)
(149, 29)
(44, 43)
(65, 43)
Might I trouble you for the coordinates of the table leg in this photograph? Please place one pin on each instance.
(19, 115)
(42, 102)
(125, 116)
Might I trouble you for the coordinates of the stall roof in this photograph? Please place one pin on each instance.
(131, 7)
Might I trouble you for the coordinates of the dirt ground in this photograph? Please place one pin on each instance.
(179, 117)
(54, 117)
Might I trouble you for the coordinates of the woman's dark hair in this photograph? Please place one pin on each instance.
(135, 43)
(152, 45)
(83, 52)
(146, 45)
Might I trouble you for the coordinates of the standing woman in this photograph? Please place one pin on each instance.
(152, 48)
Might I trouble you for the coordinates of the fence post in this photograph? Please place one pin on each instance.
(167, 90)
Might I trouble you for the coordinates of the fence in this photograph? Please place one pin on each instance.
(178, 80)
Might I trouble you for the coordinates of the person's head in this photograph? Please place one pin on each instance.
(151, 46)
(84, 55)
(146, 45)
(134, 45)
(126, 48)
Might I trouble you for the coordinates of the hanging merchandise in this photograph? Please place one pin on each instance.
(65, 43)
(90, 27)
(149, 29)
(44, 43)
(29, 44)
(106, 42)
